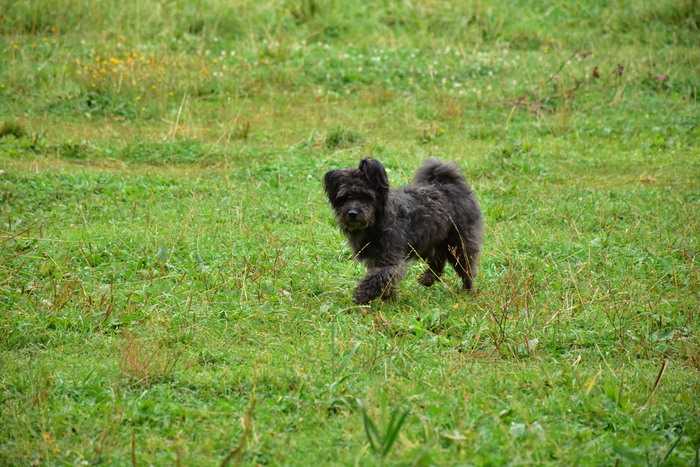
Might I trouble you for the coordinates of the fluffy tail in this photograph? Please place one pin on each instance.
(437, 172)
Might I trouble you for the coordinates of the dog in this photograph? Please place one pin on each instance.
(436, 219)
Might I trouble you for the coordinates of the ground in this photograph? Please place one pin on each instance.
(173, 288)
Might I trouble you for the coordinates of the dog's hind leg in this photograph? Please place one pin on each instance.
(436, 265)
(464, 258)
(379, 282)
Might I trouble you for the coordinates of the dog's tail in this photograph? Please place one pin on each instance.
(437, 172)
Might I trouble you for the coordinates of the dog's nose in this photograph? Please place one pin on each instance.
(352, 213)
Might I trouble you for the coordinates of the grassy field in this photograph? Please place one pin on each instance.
(173, 289)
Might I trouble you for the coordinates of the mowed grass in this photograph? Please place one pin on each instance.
(173, 289)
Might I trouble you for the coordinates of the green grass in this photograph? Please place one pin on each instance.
(173, 289)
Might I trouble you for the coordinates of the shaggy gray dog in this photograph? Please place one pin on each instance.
(436, 219)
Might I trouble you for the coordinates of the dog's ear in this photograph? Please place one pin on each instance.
(331, 183)
(374, 172)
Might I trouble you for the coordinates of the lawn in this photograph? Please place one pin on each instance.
(174, 289)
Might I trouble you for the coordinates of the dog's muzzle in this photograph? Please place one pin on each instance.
(353, 219)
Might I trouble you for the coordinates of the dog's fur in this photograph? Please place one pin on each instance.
(436, 218)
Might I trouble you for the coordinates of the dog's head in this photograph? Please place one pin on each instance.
(358, 196)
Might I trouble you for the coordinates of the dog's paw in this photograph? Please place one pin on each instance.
(427, 279)
(389, 295)
(362, 297)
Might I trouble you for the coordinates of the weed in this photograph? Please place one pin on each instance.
(341, 138)
(247, 425)
(381, 443)
(144, 362)
(515, 158)
(241, 131)
(175, 152)
(304, 11)
(11, 128)
(73, 151)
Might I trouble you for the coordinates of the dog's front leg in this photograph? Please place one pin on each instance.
(379, 282)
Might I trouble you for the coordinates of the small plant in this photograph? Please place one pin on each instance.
(304, 11)
(144, 362)
(340, 138)
(516, 158)
(241, 130)
(381, 444)
(11, 128)
(236, 453)
(430, 134)
(70, 150)
(177, 151)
